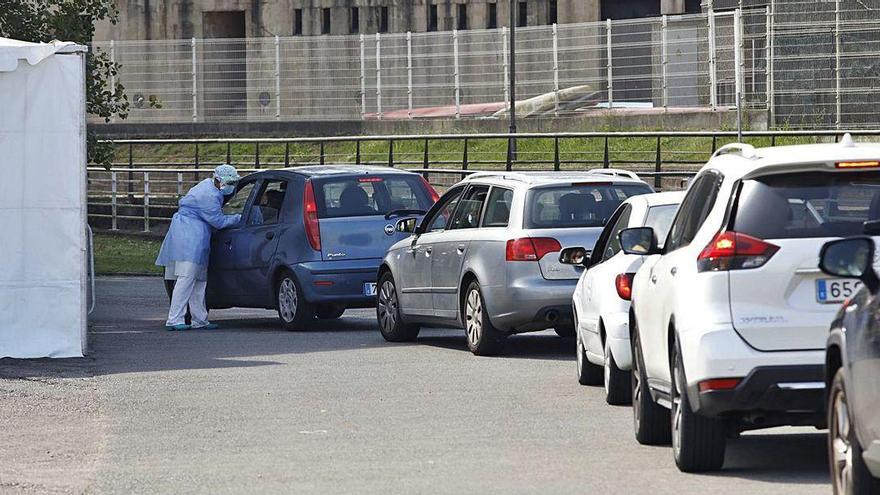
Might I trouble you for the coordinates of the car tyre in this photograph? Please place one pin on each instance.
(483, 338)
(650, 420)
(849, 474)
(698, 442)
(329, 311)
(618, 389)
(391, 325)
(588, 373)
(566, 331)
(293, 309)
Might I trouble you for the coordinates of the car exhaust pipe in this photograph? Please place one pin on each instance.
(552, 316)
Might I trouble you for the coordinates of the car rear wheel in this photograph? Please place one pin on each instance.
(849, 475)
(329, 311)
(566, 331)
(293, 309)
(391, 325)
(483, 339)
(617, 381)
(650, 420)
(698, 442)
(588, 373)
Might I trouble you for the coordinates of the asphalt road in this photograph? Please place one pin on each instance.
(250, 408)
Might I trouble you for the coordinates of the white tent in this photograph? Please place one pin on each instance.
(43, 240)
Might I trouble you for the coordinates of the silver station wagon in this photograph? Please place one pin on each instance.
(486, 256)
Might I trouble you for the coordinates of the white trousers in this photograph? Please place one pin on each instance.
(188, 291)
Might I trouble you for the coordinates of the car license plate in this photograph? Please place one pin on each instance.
(835, 290)
(369, 289)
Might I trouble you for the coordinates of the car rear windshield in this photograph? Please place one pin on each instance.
(814, 204)
(577, 205)
(369, 195)
(660, 219)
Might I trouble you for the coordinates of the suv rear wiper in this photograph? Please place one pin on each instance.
(871, 227)
(403, 211)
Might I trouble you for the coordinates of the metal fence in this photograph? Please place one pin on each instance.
(141, 189)
(670, 61)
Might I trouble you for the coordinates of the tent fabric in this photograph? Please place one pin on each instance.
(43, 276)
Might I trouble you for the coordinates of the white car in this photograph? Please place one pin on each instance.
(730, 318)
(601, 297)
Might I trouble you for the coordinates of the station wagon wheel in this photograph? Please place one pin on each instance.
(293, 310)
(482, 337)
(391, 324)
(650, 420)
(849, 474)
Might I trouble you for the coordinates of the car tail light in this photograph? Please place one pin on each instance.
(433, 192)
(370, 179)
(531, 248)
(310, 217)
(624, 285)
(719, 384)
(734, 251)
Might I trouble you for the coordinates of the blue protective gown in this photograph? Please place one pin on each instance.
(189, 237)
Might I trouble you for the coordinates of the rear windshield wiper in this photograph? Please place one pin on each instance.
(403, 211)
(871, 227)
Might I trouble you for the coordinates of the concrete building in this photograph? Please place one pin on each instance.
(176, 19)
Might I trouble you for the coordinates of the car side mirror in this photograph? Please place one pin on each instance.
(852, 257)
(574, 256)
(638, 240)
(407, 225)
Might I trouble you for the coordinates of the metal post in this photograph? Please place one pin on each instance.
(113, 73)
(609, 66)
(378, 76)
(179, 184)
(771, 97)
(277, 78)
(457, 82)
(837, 63)
(658, 160)
(505, 61)
(409, 71)
(391, 153)
(664, 59)
(286, 154)
(738, 69)
(146, 201)
(195, 88)
(511, 145)
(113, 188)
(464, 156)
(130, 186)
(713, 90)
(556, 68)
(363, 80)
(321, 157)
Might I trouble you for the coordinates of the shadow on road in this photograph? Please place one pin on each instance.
(793, 458)
(546, 346)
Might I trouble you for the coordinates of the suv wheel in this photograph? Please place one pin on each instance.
(391, 325)
(483, 339)
(293, 309)
(698, 442)
(617, 381)
(329, 311)
(650, 420)
(588, 373)
(849, 475)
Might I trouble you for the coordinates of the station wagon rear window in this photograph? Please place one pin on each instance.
(577, 205)
(369, 195)
(811, 204)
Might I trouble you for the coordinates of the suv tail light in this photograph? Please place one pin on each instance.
(531, 248)
(624, 285)
(734, 251)
(310, 217)
(433, 192)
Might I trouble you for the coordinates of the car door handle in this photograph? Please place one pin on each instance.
(673, 270)
(270, 236)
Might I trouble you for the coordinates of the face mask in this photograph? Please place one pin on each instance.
(227, 190)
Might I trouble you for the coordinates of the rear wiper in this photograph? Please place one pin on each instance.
(871, 227)
(403, 211)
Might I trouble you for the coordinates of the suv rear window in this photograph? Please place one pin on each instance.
(813, 204)
(372, 195)
(577, 205)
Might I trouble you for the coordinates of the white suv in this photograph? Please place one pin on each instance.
(731, 316)
(601, 297)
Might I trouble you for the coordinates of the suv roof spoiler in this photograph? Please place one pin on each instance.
(740, 149)
(528, 176)
(615, 172)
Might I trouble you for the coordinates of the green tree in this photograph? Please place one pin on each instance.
(73, 20)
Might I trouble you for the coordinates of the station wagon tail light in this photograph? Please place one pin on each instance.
(734, 251)
(718, 384)
(624, 285)
(531, 248)
(310, 217)
(862, 164)
(435, 196)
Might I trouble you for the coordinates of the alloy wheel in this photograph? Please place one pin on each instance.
(579, 350)
(677, 405)
(474, 317)
(287, 300)
(387, 306)
(841, 447)
(607, 368)
(636, 380)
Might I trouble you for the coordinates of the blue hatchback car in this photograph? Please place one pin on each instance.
(311, 238)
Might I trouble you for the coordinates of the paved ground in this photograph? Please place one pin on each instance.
(251, 408)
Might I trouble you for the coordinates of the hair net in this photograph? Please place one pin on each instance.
(226, 174)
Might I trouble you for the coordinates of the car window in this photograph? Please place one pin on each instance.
(498, 207)
(443, 211)
(236, 204)
(660, 218)
(695, 207)
(612, 247)
(266, 209)
(369, 195)
(403, 194)
(814, 204)
(577, 205)
(467, 214)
